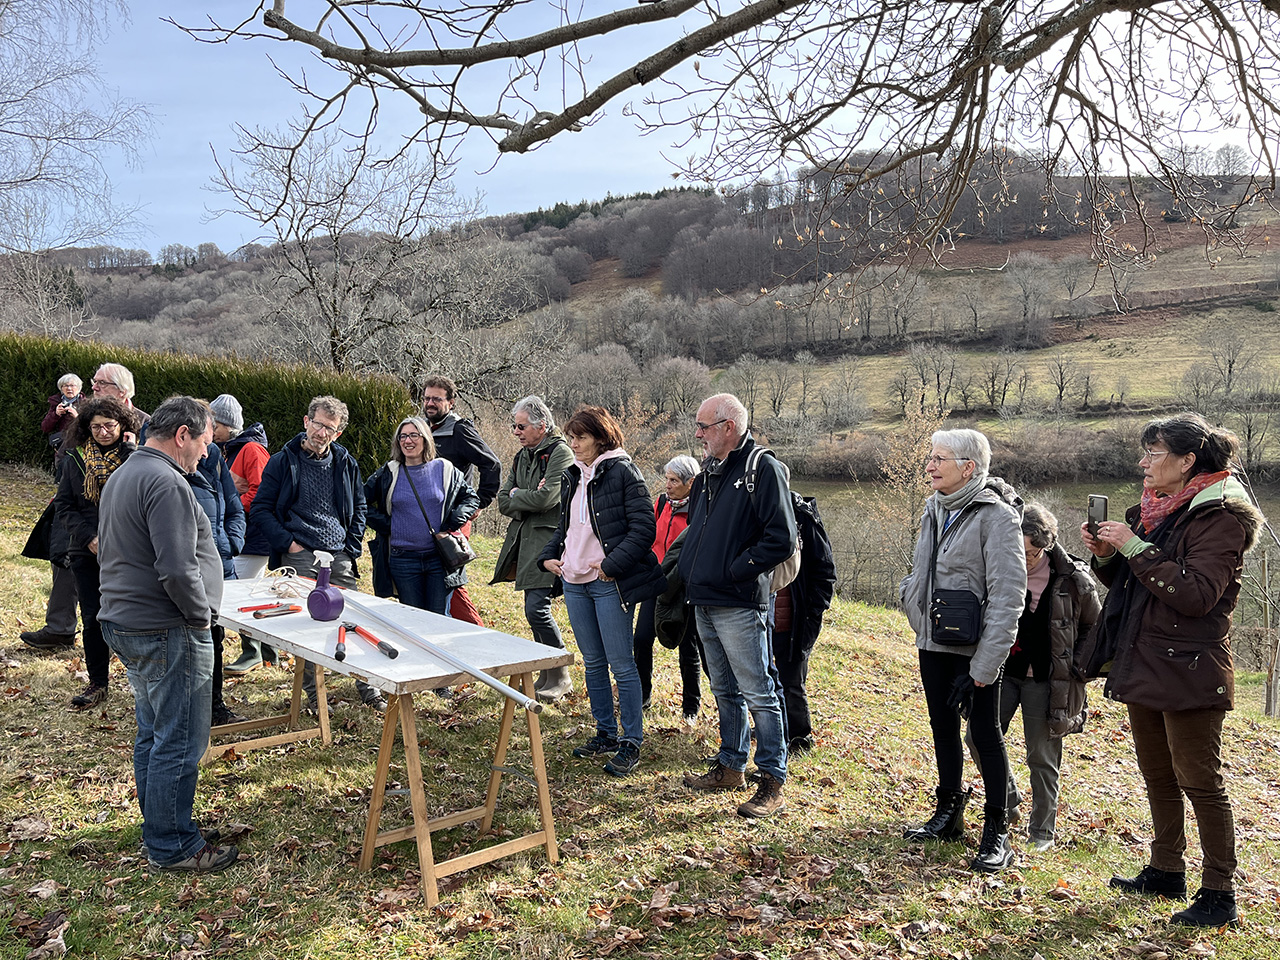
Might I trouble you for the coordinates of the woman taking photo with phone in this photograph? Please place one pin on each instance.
(602, 553)
(1173, 568)
(963, 598)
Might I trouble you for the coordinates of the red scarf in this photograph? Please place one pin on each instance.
(1155, 507)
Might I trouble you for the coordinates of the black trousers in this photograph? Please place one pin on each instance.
(690, 659)
(793, 673)
(938, 671)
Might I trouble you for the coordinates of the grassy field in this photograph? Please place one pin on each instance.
(648, 869)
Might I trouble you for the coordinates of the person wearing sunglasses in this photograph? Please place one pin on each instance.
(530, 497)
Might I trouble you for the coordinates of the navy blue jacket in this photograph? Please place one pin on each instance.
(278, 494)
(216, 493)
(734, 540)
(622, 520)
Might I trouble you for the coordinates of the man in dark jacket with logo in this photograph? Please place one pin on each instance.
(312, 498)
(734, 540)
(458, 441)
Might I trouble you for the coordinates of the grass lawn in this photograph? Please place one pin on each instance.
(648, 869)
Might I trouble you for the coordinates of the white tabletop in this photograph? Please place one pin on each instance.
(414, 670)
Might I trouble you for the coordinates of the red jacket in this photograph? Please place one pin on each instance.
(671, 523)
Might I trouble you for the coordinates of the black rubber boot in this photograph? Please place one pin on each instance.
(947, 822)
(994, 852)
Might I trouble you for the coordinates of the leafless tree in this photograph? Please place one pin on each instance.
(780, 380)
(58, 124)
(1231, 356)
(866, 91)
(998, 374)
(1029, 275)
(39, 296)
(841, 396)
(806, 365)
(1200, 387)
(747, 376)
(351, 239)
(1064, 373)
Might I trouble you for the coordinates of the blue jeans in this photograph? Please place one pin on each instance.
(735, 644)
(602, 627)
(419, 579)
(171, 673)
(537, 610)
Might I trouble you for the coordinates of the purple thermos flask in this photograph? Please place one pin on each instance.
(325, 601)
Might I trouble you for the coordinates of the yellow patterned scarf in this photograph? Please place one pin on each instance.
(99, 463)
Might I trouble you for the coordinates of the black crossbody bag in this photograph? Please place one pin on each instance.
(956, 615)
(455, 549)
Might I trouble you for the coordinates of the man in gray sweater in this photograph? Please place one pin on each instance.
(161, 584)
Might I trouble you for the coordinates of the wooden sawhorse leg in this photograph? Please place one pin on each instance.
(400, 713)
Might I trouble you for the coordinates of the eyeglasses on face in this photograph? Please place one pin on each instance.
(1151, 456)
(431, 399)
(411, 435)
(103, 383)
(521, 427)
(106, 427)
(934, 458)
(323, 428)
(704, 427)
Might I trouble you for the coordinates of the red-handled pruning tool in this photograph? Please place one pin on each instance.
(384, 648)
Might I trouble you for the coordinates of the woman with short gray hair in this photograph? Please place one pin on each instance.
(672, 515)
(963, 597)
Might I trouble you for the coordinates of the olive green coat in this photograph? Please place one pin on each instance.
(534, 513)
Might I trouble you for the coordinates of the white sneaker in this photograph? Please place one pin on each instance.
(1039, 846)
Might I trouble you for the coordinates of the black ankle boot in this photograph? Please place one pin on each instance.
(947, 822)
(994, 852)
(1211, 908)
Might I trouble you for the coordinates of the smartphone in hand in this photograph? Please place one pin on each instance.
(1097, 513)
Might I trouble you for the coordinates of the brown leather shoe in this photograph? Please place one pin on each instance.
(719, 777)
(768, 799)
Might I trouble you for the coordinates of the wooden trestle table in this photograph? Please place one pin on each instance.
(415, 670)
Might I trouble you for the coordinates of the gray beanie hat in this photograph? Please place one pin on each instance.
(226, 410)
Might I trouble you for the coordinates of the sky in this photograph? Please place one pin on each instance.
(198, 92)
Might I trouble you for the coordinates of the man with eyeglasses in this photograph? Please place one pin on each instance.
(734, 540)
(59, 630)
(312, 498)
(115, 380)
(458, 441)
(531, 498)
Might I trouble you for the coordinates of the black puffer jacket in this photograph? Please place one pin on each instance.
(622, 520)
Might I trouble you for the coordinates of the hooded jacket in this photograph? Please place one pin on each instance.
(278, 494)
(246, 453)
(621, 519)
(1073, 608)
(981, 552)
(216, 493)
(1166, 622)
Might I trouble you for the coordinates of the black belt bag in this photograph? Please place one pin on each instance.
(956, 616)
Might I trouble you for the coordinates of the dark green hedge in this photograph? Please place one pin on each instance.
(276, 395)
